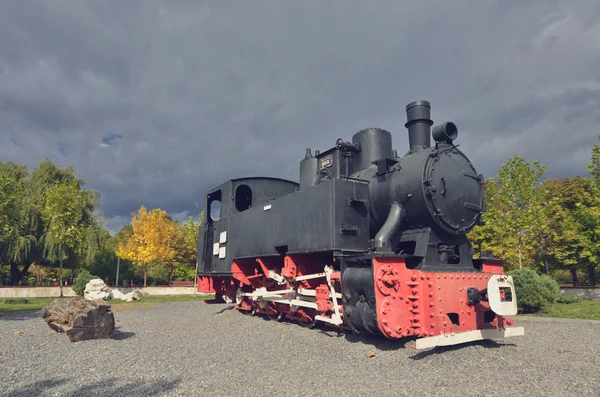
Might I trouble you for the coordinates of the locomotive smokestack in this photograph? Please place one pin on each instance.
(418, 124)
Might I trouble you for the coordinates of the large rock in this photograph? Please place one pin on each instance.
(81, 319)
(97, 289)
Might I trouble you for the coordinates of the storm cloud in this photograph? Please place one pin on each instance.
(155, 102)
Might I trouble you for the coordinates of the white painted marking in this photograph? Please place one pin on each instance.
(216, 249)
(502, 308)
(469, 336)
(267, 207)
(223, 238)
(222, 252)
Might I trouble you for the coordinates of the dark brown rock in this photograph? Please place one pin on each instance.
(81, 319)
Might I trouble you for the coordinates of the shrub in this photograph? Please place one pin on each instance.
(184, 273)
(534, 292)
(159, 275)
(551, 290)
(16, 301)
(79, 282)
(562, 277)
(568, 299)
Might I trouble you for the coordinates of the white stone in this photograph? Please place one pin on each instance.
(116, 294)
(97, 289)
(130, 297)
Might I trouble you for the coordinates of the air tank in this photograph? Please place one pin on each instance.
(309, 170)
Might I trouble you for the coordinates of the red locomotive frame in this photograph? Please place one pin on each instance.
(432, 306)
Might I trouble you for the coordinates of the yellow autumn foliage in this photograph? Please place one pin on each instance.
(154, 239)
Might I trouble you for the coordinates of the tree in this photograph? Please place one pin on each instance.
(19, 242)
(594, 165)
(187, 248)
(486, 236)
(188, 240)
(36, 220)
(105, 262)
(591, 217)
(513, 220)
(572, 242)
(8, 206)
(70, 229)
(153, 240)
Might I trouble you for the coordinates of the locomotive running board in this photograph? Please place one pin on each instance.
(469, 336)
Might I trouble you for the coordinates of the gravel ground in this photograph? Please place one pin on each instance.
(190, 348)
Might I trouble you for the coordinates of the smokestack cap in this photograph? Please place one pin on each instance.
(418, 103)
(418, 111)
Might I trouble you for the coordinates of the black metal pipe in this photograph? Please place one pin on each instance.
(390, 227)
(445, 132)
(418, 124)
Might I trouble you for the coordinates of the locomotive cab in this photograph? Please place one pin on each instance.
(224, 205)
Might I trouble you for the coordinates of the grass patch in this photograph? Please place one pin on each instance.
(23, 304)
(10, 305)
(584, 309)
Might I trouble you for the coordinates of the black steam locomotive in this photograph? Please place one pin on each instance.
(367, 241)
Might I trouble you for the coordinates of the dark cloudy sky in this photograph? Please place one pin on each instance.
(154, 102)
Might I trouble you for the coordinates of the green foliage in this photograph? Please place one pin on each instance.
(555, 224)
(534, 292)
(568, 300)
(16, 301)
(562, 276)
(81, 280)
(8, 225)
(594, 165)
(551, 290)
(159, 274)
(565, 277)
(584, 309)
(572, 240)
(513, 219)
(46, 217)
(184, 273)
(162, 274)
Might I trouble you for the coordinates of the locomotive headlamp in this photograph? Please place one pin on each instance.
(446, 132)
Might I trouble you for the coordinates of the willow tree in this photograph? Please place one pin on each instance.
(52, 218)
(8, 207)
(20, 243)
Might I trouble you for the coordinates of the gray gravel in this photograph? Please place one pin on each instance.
(191, 348)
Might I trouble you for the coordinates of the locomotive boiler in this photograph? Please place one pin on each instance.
(367, 241)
